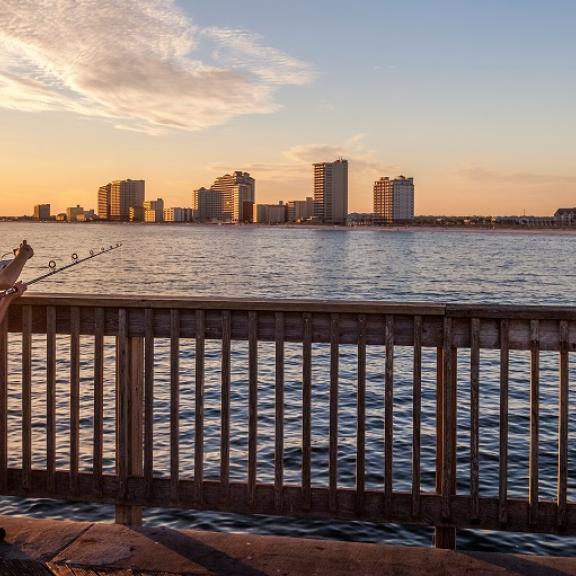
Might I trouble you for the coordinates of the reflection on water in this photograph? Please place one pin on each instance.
(286, 263)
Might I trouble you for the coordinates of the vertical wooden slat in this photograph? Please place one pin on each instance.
(279, 419)
(26, 396)
(333, 448)
(475, 418)
(361, 416)
(174, 404)
(4, 404)
(504, 379)
(389, 412)
(252, 405)
(563, 415)
(416, 416)
(534, 420)
(122, 412)
(439, 417)
(149, 401)
(51, 397)
(98, 444)
(307, 412)
(225, 403)
(199, 415)
(445, 536)
(74, 397)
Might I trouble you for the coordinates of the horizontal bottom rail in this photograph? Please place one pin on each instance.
(236, 498)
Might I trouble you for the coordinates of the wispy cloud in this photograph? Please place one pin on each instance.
(142, 64)
(297, 160)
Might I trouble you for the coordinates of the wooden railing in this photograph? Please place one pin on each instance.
(137, 327)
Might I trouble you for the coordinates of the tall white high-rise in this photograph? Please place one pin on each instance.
(331, 191)
(394, 199)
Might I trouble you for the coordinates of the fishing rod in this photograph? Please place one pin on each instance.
(55, 270)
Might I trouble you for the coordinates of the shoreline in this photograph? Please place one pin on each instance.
(328, 227)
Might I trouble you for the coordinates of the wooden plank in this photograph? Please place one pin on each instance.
(51, 395)
(533, 479)
(74, 397)
(225, 402)
(389, 412)
(252, 404)
(445, 536)
(279, 416)
(334, 372)
(158, 302)
(307, 411)
(475, 418)
(26, 395)
(563, 420)
(175, 404)
(361, 415)
(416, 416)
(504, 386)
(3, 404)
(199, 412)
(149, 401)
(98, 443)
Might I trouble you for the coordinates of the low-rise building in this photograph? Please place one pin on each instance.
(271, 213)
(178, 215)
(565, 217)
(300, 210)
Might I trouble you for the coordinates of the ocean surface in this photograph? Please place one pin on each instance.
(356, 264)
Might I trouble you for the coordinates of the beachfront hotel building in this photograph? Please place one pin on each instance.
(239, 194)
(331, 191)
(394, 200)
(116, 198)
(208, 205)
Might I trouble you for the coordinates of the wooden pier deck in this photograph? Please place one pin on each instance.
(77, 549)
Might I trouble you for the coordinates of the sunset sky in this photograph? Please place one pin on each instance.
(474, 99)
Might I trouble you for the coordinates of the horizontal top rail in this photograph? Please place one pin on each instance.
(456, 310)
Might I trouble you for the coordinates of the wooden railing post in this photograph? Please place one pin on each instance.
(130, 411)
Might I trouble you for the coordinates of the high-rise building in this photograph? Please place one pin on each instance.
(300, 210)
(154, 210)
(42, 212)
(239, 194)
(394, 199)
(271, 213)
(104, 202)
(116, 198)
(208, 204)
(331, 191)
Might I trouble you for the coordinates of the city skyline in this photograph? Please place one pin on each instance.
(474, 101)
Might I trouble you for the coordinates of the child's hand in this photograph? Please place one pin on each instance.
(20, 288)
(25, 250)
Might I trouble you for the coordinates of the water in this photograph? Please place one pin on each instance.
(222, 261)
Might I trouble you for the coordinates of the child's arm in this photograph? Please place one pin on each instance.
(7, 300)
(10, 274)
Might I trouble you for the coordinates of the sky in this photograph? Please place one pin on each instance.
(475, 100)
